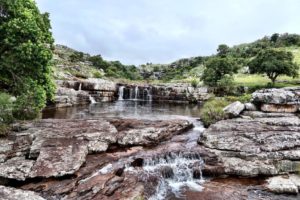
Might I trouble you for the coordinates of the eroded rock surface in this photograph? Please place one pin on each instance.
(8, 193)
(259, 146)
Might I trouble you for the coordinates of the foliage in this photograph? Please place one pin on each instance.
(243, 98)
(25, 51)
(77, 56)
(223, 50)
(194, 82)
(29, 104)
(212, 111)
(217, 68)
(97, 74)
(6, 106)
(274, 63)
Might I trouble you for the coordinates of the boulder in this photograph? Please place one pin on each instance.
(8, 193)
(284, 184)
(250, 107)
(234, 109)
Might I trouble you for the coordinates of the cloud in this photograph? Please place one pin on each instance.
(161, 31)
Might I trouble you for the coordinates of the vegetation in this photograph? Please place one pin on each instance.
(273, 63)
(212, 110)
(25, 56)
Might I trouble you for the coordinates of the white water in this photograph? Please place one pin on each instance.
(182, 167)
(79, 88)
(121, 93)
(136, 93)
(92, 99)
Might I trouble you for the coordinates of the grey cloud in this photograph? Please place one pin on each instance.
(161, 31)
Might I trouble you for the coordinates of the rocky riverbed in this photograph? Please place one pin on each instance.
(133, 150)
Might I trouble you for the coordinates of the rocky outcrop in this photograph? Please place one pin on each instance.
(59, 147)
(278, 100)
(256, 146)
(84, 91)
(178, 93)
(7, 193)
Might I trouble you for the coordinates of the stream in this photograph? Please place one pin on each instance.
(172, 168)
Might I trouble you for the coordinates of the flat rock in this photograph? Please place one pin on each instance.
(149, 132)
(284, 184)
(275, 108)
(7, 193)
(17, 168)
(253, 147)
(59, 157)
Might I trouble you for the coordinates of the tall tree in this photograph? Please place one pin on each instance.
(274, 63)
(25, 51)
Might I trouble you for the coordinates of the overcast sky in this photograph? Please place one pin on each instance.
(162, 31)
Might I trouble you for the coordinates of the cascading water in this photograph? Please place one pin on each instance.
(92, 99)
(136, 93)
(175, 171)
(79, 88)
(121, 93)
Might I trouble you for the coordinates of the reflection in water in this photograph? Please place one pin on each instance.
(126, 109)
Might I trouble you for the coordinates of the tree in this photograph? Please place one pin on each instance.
(223, 50)
(217, 68)
(26, 51)
(274, 63)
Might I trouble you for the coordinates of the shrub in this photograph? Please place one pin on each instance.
(97, 74)
(5, 109)
(194, 82)
(30, 103)
(212, 111)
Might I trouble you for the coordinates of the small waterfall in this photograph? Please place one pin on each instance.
(79, 88)
(175, 171)
(131, 95)
(136, 93)
(149, 94)
(92, 99)
(121, 93)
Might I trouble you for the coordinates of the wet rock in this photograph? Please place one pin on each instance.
(138, 162)
(167, 172)
(17, 168)
(112, 185)
(284, 184)
(234, 109)
(7, 193)
(59, 157)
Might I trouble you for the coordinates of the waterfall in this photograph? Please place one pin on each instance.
(136, 93)
(149, 95)
(121, 93)
(176, 171)
(92, 99)
(79, 88)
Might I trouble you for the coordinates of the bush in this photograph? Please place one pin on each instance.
(212, 111)
(97, 74)
(30, 103)
(194, 82)
(6, 105)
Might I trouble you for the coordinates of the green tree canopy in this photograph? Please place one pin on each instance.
(217, 68)
(25, 51)
(223, 50)
(274, 63)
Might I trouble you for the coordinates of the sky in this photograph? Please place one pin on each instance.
(162, 31)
